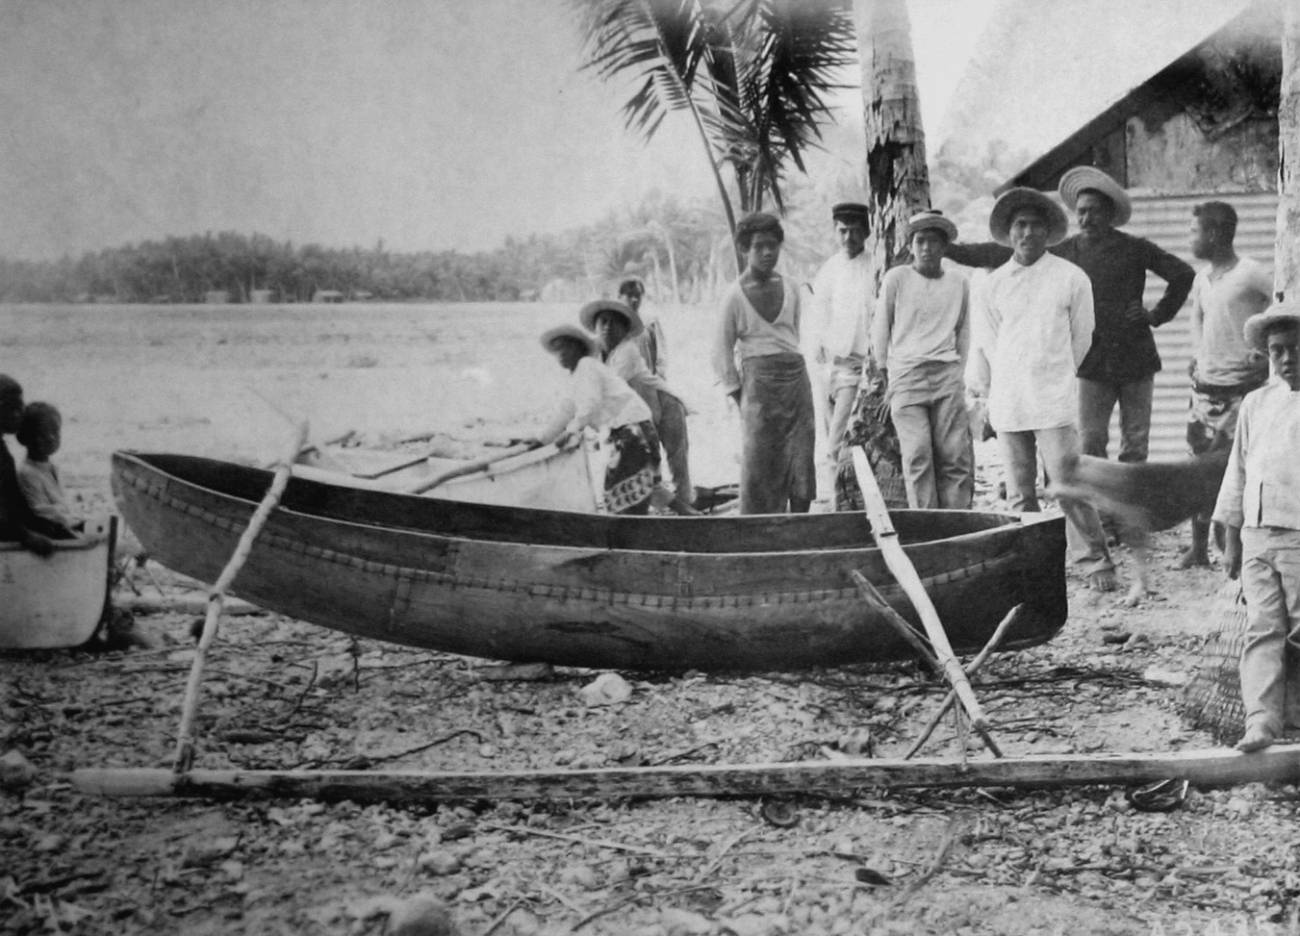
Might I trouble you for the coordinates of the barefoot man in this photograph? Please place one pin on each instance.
(1225, 367)
(1259, 506)
(1032, 327)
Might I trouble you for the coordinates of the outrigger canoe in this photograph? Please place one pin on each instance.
(670, 593)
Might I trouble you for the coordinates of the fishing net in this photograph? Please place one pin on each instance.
(871, 427)
(1212, 698)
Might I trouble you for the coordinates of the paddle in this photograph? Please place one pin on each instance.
(882, 530)
(468, 468)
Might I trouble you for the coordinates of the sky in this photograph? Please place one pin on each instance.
(427, 124)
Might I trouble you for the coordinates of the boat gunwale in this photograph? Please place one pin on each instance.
(1011, 523)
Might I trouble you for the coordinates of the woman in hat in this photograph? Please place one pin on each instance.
(1259, 506)
(618, 326)
(598, 399)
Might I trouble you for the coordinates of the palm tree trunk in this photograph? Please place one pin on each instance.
(897, 177)
(1286, 275)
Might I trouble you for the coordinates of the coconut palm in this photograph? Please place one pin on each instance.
(752, 74)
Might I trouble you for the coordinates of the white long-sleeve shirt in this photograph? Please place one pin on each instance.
(1032, 329)
(843, 298)
(1261, 487)
(597, 399)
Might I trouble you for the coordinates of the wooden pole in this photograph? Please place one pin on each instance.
(971, 670)
(1216, 767)
(882, 530)
(871, 595)
(189, 708)
(468, 468)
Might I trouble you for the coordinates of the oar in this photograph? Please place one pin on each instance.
(468, 468)
(882, 530)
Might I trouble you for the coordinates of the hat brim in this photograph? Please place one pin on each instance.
(1081, 179)
(936, 223)
(587, 315)
(1012, 200)
(572, 332)
(1258, 325)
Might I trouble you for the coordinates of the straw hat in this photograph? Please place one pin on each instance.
(1258, 325)
(932, 220)
(1081, 179)
(568, 331)
(1012, 200)
(587, 315)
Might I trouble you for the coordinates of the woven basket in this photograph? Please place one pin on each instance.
(1212, 697)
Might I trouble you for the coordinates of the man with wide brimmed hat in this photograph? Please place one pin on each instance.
(921, 338)
(1033, 324)
(839, 327)
(1120, 365)
(1259, 506)
(618, 326)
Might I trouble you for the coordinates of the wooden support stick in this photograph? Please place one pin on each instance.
(189, 708)
(882, 529)
(1215, 767)
(871, 595)
(469, 467)
(971, 670)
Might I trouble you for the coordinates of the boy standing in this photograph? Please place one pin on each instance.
(921, 336)
(1259, 506)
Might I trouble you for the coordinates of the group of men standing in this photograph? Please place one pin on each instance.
(1049, 343)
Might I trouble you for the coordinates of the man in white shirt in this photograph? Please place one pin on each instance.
(840, 324)
(1033, 326)
(1259, 506)
(1225, 294)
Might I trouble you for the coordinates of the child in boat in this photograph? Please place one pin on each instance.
(600, 400)
(618, 326)
(40, 432)
(1259, 506)
(17, 521)
(921, 336)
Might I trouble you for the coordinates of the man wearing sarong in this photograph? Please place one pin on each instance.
(840, 322)
(1032, 327)
(759, 325)
(1224, 365)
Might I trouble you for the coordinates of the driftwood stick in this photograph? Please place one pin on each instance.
(871, 595)
(1213, 767)
(882, 529)
(971, 670)
(598, 843)
(469, 467)
(189, 708)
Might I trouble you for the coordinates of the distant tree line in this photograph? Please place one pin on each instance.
(681, 249)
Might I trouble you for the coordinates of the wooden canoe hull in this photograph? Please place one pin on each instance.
(431, 574)
(56, 601)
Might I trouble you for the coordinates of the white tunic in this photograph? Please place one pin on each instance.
(1032, 328)
(597, 399)
(842, 306)
(1261, 487)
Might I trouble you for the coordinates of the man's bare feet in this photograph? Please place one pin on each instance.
(1136, 593)
(1256, 738)
(1192, 558)
(1103, 580)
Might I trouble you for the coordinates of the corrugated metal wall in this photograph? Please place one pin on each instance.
(1167, 221)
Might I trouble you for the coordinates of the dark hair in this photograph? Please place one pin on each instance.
(9, 386)
(760, 222)
(1219, 217)
(629, 286)
(35, 416)
(1110, 202)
